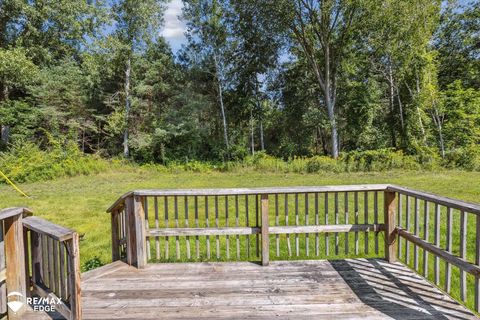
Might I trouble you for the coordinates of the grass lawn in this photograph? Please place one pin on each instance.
(80, 202)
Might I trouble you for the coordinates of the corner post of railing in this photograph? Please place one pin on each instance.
(390, 225)
(265, 231)
(16, 277)
(115, 234)
(140, 240)
(73, 249)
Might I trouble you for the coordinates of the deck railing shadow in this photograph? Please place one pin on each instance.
(370, 292)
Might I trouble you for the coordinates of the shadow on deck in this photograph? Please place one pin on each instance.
(342, 289)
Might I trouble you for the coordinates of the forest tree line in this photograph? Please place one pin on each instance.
(288, 77)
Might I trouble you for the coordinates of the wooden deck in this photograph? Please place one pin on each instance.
(342, 289)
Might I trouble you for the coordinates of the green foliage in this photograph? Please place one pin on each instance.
(467, 158)
(92, 263)
(26, 162)
(379, 160)
(323, 164)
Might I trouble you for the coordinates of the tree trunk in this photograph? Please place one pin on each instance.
(437, 119)
(5, 133)
(262, 144)
(252, 134)
(391, 103)
(220, 98)
(126, 151)
(330, 104)
(333, 128)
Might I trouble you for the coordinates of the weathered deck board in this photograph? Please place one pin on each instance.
(342, 289)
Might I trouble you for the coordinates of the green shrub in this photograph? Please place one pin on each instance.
(378, 160)
(25, 162)
(467, 158)
(323, 164)
(91, 264)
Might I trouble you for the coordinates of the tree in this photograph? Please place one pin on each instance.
(207, 40)
(137, 23)
(321, 32)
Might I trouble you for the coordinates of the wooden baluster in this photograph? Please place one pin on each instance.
(346, 222)
(55, 285)
(289, 247)
(407, 227)
(336, 222)
(248, 225)
(51, 279)
(477, 262)
(399, 223)
(187, 238)
(265, 234)
(307, 251)
(177, 238)
(277, 238)
(365, 209)
(147, 227)
(167, 243)
(437, 243)
(197, 240)
(63, 275)
(448, 266)
(37, 257)
(114, 216)
(317, 222)
(417, 231)
(375, 218)
(297, 245)
(217, 237)
(326, 223)
(426, 217)
(355, 197)
(157, 225)
(44, 242)
(463, 254)
(236, 225)
(207, 225)
(226, 225)
(257, 224)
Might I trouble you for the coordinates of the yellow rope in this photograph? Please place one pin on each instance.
(13, 184)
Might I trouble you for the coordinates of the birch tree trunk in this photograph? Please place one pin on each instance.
(262, 143)
(126, 151)
(220, 98)
(252, 133)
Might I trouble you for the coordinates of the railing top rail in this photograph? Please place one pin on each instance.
(48, 228)
(248, 191)
(448, 202)
(10, 212)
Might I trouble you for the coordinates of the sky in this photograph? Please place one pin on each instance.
(174, 27)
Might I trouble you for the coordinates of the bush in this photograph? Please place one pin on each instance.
(465, 158)
(323, 164)
(25, 162)
(378, 160)
(91, 264)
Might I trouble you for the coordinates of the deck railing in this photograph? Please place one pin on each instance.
(440, 227)
(42, 260)
(301, 223)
